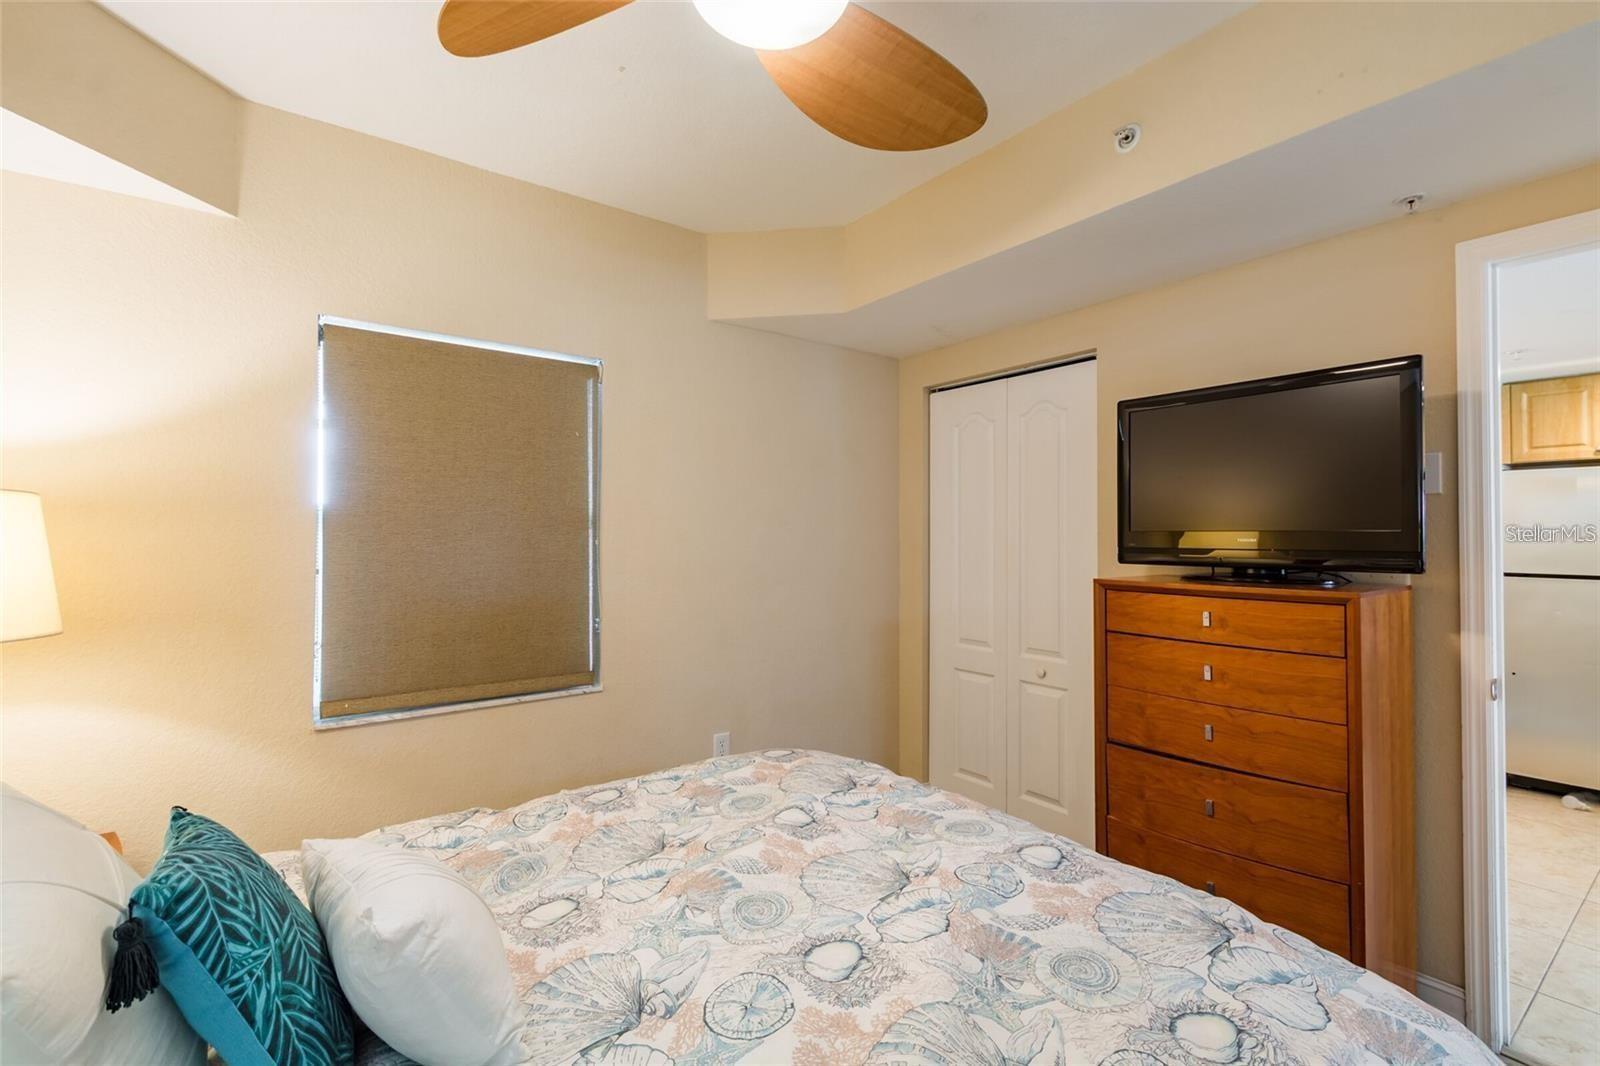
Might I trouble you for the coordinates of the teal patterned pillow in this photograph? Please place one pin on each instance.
(237, 950)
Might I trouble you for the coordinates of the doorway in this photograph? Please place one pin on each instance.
(1528, 305)
(1012, 552)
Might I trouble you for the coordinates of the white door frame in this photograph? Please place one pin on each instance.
(1483, 752)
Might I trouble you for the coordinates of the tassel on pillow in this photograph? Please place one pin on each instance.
(133, 967)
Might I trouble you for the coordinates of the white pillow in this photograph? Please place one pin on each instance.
(62, 891)
(417, 952)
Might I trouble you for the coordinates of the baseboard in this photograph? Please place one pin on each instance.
(1442, 996)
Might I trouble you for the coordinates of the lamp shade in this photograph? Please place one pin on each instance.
(28, 605)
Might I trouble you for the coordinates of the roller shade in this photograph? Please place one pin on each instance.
(457, 556)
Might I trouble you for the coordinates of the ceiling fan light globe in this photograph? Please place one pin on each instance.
(771, 25)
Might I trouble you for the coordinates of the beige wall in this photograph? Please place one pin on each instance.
(72, 67)
(158, 391)
(1387, 290)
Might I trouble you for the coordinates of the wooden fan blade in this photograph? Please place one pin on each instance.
(484, 27)
(873, 84)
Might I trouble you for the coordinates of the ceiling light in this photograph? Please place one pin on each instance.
(771, 25)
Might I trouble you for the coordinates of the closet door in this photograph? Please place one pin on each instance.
(1051, 559)
(967, 656)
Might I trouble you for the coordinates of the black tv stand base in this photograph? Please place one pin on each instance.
(1270, 575)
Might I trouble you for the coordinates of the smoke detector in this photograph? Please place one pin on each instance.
(1126, 138)
(1410, 202)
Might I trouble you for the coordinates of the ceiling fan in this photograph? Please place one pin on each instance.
(854, 74)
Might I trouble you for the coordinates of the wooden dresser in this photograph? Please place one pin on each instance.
(1255, 742)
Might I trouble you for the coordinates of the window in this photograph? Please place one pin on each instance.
(457, 551)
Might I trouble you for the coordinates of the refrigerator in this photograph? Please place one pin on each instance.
(1551, 519)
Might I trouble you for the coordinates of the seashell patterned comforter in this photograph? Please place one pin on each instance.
(795, 906)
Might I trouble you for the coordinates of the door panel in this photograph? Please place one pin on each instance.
(1041, 717)
(977, 709)
(974, 550)
(966, 581)
(1554, 421)
(1552, 628)
(1051, 556)
(1037, 503)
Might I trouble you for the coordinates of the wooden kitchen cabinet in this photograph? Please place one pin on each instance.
(1551, 421)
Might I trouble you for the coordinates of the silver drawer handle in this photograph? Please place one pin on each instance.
(1209, 734)
(1205, 671)
(1205, 619)
(1211, 809)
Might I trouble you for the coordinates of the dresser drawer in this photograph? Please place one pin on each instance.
(1300, 686)
(1318, 910)
(1311, 628)
(1272, 745)
(1292, 826)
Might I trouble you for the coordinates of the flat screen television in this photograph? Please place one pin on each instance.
(1269, 479)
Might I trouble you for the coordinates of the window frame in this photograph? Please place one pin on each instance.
(318, 721)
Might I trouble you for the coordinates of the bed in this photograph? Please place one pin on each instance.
(795, 906)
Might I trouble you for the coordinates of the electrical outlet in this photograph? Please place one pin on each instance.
(719, 744)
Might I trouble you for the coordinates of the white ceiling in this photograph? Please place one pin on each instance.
(647, 108)
(1548, 316)
(1533, 113)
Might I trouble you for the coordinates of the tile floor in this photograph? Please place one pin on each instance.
(1552, 865)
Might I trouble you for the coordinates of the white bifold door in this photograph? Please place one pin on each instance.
(1010, 608)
